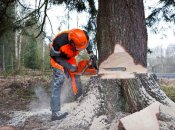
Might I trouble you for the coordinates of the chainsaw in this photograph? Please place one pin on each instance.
(85, 68)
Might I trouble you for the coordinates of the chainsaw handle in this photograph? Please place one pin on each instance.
(83, 66)
(93, 59)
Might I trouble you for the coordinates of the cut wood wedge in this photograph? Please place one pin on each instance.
(120, 65)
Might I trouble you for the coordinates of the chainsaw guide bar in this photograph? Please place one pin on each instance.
(115, 69)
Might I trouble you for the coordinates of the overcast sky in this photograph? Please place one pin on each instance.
(59, 14)
(167, 31)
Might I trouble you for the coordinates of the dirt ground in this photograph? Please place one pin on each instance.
(17, 93)
(167, 82)
(25, 104)
(25, 101)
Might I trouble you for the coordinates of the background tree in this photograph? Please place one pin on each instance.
(170, 51)
(157, 60)
(162, 60)
(170, 56)
(162, 12)
(7, 16)
(31, 59)
(17, 21)
(34, 50)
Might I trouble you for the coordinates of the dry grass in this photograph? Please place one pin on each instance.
(168, 86)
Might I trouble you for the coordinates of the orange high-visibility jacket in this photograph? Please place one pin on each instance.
(61, 43)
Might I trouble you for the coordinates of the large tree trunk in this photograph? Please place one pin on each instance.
(123, 22)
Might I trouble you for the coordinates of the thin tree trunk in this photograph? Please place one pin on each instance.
(3, 57)
(43, 57)
(12, 61)
(68, 16)
(17, 49)
(77, 19)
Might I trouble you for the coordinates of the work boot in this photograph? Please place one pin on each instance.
(58, 115)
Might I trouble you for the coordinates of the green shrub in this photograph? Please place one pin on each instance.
(170, 91)
(31, 59)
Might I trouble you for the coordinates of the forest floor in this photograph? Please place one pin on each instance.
(25, 104)
(19, 96)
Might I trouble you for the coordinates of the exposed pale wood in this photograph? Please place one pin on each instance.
(145, 119)
(120, 58)
(7, 128)
(167, 118)
(167, 113)
(116, 75)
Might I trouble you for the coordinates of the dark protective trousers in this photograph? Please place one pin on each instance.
(57, 83)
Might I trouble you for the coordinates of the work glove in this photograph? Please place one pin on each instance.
(94, 60)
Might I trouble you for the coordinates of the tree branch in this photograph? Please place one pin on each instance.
(4, 10)
(19, 21)
(44, 19)
(50, 25)
(23, 5)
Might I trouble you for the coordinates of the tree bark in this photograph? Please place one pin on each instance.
(123, 22)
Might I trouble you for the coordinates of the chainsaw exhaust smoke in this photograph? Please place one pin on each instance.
(42, 101)
(66, 92)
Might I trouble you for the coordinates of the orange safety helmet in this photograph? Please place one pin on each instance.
(79, 37)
